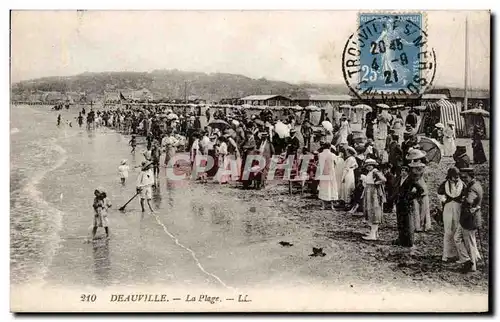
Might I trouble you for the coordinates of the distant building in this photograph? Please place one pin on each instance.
(323, 100)
(267, 100)
(231, 101)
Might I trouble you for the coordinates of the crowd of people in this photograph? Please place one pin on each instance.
(370, 172)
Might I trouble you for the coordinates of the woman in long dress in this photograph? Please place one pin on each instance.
(223, 160)
(449, 138)
(450, 194)
(398, 127)
(169, 144)
(477, 146)
(345, 130)
(421, 205)
(373, 198)
(327, 177)
(348, 183)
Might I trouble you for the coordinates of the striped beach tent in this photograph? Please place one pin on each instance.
(451, 112)
(442, 111)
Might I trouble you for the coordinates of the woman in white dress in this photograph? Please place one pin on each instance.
(348, 183)
(449, 137)
(223, 161)
(345, 130)
(327, 188)
(450, 194)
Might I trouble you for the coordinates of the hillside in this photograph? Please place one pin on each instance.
(171, 84)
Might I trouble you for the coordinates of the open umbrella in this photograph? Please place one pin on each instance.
(384, 106)
(219, 124)
(296, 108)
(312, 108)
(476, 111)
(431, 147)
(172, 116)
(327, 125)
(398, 106)
(364, 107)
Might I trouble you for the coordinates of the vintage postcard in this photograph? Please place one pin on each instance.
(250, 161)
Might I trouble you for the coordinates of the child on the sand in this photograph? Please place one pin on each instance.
(123, 171)
(101, 205)
(132, 143)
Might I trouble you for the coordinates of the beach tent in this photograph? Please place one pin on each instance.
(442, 111)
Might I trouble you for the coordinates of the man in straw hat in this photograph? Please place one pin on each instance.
(470, 221)
(437, 132)
(145, 182)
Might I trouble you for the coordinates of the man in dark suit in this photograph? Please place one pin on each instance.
(293, 144)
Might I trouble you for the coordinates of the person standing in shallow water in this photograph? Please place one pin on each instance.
(100, 205)
(145, 182)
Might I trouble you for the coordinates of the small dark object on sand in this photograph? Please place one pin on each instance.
(252, 209)
(285, 244)
(317, 252)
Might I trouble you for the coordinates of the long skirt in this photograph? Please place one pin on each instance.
(328, 188)
(373, 204)
(348, 187)
(478, 152)
(224, 164)
(422, 214)
(169, 155)
(406, 223)
(451, 221)
(449, 146)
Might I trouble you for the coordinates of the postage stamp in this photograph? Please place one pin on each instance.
(388, 55)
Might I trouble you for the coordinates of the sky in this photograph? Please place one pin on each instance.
(292, 46)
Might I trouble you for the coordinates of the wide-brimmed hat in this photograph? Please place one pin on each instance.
(467, 170)
(264, 134)
(124, 161)
(461, 149)
(451, 122)
(415, 154)
(370, 162)
(417, 164)
(439, 125)
(293, 131)
(351, 150)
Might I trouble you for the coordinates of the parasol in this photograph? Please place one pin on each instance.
(297, 108)
(345, 106)
(219, 124)
(476, 111)
(384, 106)
(419, 108)
(431, 147)
(327, 125)
(312, 108)
(172, 116)
(398, 106)
(364, 107)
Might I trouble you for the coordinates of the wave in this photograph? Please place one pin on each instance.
(54, 216)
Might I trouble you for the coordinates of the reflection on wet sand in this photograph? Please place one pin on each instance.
(102, 263)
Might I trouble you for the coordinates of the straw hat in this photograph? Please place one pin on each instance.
(415, 154)
(467, 170)
(371, 162)
(124, 161)
(439, 125)
(451, 122)
(351, 150)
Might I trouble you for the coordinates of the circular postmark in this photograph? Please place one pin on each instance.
(387, 57)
